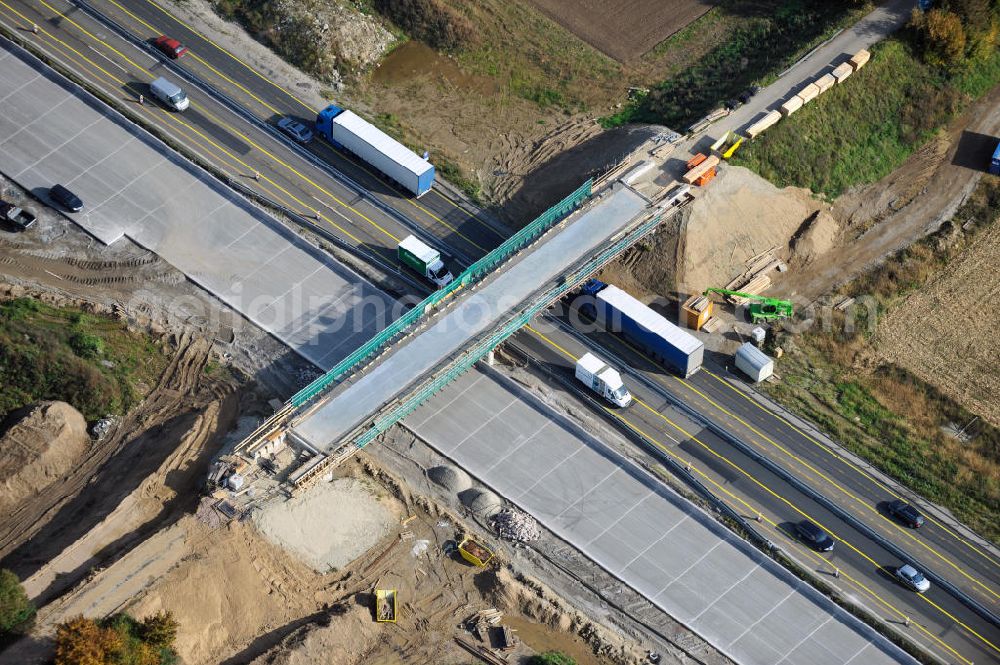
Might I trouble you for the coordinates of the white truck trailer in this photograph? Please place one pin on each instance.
(602, 379)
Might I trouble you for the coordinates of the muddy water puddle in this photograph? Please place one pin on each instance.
(415, 59)
(541, 638)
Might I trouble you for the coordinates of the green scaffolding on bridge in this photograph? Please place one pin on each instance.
(473, 273)
(477, 352)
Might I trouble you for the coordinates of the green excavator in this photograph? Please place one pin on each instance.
(761, 309)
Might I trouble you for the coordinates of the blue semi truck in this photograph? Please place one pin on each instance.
(620, 313)
(995, 162)
(348, 131)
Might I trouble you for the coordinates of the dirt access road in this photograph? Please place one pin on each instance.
(907, 204)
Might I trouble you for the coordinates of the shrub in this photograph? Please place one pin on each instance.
(942, 37)
(117, 640)
(15, 608)
(86, 345)
(551, 658)
(430, 21)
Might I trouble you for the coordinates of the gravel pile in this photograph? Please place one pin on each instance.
(515, 525)
(450, 478)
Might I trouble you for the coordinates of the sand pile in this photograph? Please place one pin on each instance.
(39, 449)
(737, 217)
(451, 478)
(816, 236)
(330, 524)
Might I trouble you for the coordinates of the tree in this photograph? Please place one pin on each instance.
(15, 608)
(81, 641)
(943, 37)
(159, 630)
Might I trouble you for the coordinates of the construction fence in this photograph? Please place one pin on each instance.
(473, 273)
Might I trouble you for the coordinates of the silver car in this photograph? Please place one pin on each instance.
(912, 578)
(295, 129)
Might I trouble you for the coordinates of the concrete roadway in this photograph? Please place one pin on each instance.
(938, 621)
(215, 134)
(630, 523)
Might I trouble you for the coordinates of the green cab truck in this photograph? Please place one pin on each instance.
(425, 260)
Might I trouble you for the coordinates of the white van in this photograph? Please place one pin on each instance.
(169, 93)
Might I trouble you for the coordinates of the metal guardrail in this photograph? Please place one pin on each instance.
(471, 274)
(481, 348)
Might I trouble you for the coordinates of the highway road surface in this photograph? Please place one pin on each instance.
(225, 132)
(625, 519)
(672, 414)
(132, 185)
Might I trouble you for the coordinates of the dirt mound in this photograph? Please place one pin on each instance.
(482, 502)
(450, 478)
(39, 449)
(816, 236)
(737, 217)
(650, 267)
(532, 176)
(327, 641)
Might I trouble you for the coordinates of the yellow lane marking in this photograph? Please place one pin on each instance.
(175, 119)
(196, 57)
(767, 489)
(276, 111)
(865, 505)
(810, 554)
(211, 116)
(223, 50)
(848, 462)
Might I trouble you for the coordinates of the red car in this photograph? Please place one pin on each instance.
(171, 47)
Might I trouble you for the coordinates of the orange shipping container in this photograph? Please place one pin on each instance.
(701, 168)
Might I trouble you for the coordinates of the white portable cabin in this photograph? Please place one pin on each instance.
(754, 363)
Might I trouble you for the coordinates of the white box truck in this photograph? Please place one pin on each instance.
(602, 379)
(425, 260)
(169, 93)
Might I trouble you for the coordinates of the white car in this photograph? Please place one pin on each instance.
(295, 129)
(912, 578)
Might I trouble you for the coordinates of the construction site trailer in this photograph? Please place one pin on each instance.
(385, 605)
(825, 82)
(808, 93)
(754, 363)
(860, 59)
(767, 121)
(791, 106)
(842, 72)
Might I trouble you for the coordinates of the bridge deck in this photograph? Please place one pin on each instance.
(325, 426)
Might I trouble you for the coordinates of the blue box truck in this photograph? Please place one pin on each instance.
(620, 313)
(347, 131)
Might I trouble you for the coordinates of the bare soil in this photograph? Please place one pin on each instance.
(944, 332)
(41, 446)
(623, 29)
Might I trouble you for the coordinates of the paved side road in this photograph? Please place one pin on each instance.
(132, 185)
(683, 560)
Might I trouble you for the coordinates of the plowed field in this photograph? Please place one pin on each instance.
(945, 333)
(623, 29)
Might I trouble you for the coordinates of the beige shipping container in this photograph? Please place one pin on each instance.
(768, 120)
(825, 82)
(791, 106)
(700, 170)
(808, 93)
(842, 71)
(860, 59)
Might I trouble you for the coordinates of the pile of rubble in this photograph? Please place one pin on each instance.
(515, 525)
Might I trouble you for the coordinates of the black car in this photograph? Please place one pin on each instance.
(819, 540)
(906, 514)
(66, 198)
